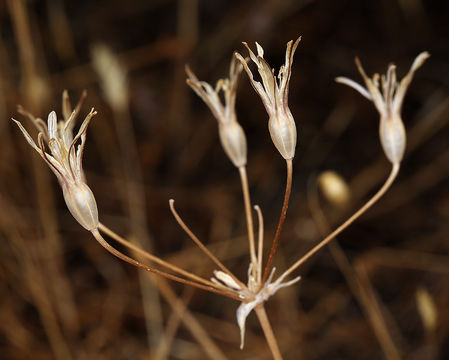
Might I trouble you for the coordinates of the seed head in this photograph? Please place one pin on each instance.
(388, 101)
(231, 133)
(274, 95)
(64, 160)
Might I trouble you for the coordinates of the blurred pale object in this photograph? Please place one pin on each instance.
(334, 188)
(427, 309)
(112, 74)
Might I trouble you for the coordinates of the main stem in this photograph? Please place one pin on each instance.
(249, 219)
(288, 189)
(268, 331)
(357, 214)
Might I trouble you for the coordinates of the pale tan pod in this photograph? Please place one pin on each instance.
(283, 133)
(233, 141)
(393, 138)
(81, 203)
(334, 188)
(427, 309)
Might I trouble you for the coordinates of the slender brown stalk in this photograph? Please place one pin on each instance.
(356, 215)
(268, 332)
(151, 257)
(127, 259)
(249, 218)
(201, 245)
(288, 189)
(368, 303)
(260, 244)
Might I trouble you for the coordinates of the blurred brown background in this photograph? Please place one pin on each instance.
(63, 297)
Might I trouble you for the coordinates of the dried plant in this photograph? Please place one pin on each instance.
(66, 163)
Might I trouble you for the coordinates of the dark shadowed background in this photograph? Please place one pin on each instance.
(63, 297)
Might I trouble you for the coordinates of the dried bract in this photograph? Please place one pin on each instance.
(231, 133)
(65, 161)
(255, 294)
(274, 95)
(388, 96)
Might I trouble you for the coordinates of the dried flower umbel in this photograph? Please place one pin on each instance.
(388, 96)
(66, 163)
(66, 160)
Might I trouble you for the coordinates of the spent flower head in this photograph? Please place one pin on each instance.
(65, 160)
(274, 94)
(388, 96)
(231, 133)
(255, 294)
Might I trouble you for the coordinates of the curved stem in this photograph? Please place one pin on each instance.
(249, 218)
(288, 189)
(202, 246)
(103, 228)
(138, 264)
(268, 331)
(357, 214)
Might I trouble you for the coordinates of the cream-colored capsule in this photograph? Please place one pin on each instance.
(393, 138)
(81, 203)
(233, 141)
(282, 130)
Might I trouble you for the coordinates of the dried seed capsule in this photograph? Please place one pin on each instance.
(233, 141)
(282, 130)
(81, 203)
(393, 138)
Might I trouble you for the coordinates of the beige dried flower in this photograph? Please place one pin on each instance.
(231, 133)
(65, 161)
(388, 96)
(274, 95)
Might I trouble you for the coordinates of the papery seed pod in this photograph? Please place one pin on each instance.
(233, 141)
(282, 130)
(81, 203)
(393, 138)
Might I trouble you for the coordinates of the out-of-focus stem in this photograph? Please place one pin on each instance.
(368, 303)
